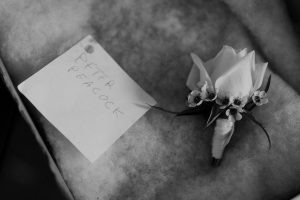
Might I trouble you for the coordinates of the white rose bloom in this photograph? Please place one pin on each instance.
(231, 74)
(233, 77)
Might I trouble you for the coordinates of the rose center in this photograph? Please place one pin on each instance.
(197, 99)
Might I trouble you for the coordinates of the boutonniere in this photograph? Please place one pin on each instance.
(230, 86)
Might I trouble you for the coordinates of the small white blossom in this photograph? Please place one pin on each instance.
(224, 100)
(207, 94)
(234, 113)
(211, 96)
(260, 98)
(194, 98)
(239, 102)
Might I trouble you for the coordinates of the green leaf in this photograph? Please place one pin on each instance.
(250, 105)
(190, 111)
(214, 110)
(215, 116)
(198, 110)
(268, 84)
(252, 118)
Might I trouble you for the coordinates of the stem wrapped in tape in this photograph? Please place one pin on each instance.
(222, 134)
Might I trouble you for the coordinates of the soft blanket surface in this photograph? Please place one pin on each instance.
(161, 157)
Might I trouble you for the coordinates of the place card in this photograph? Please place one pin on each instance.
(87, 96)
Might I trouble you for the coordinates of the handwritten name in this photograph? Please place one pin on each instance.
(92, 76)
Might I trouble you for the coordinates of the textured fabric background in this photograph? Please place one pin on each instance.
(161, 157)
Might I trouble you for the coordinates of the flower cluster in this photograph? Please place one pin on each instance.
(231, 80)
(231, 84)
(196, 97)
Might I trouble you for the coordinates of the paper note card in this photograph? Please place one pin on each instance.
(86, 95)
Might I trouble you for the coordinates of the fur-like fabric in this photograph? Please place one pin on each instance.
(161, 157)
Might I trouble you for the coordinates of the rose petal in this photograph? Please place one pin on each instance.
(222, 63)
(264, 101)
(195, 93)
(227, 112)
(193, 78)
(204, 92)
(238, 80)
(202, 73)
(259, 73)
(238, 116)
